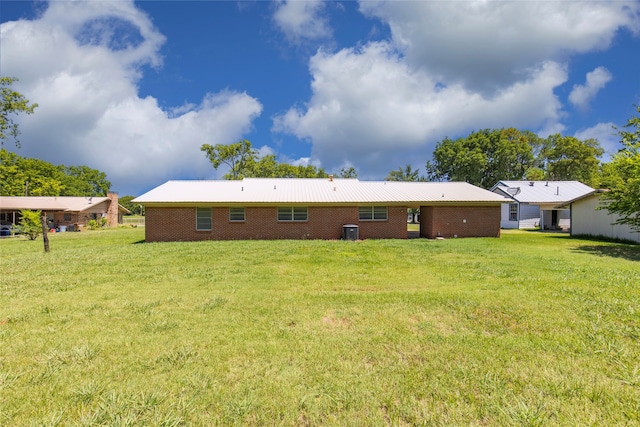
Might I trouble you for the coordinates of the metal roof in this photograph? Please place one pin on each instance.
(62, 203)
(538, 192)
(316, 191)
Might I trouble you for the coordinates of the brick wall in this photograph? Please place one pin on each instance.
(179, 224)
(112, 212)
(460, 221)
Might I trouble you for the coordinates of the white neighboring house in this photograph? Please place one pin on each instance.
(538, 203)
(588, 220)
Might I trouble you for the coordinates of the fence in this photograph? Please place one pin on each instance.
(137, 221)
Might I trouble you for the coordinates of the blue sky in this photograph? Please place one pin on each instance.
(135, 88)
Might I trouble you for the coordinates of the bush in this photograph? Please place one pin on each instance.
(95, 224)
(30, 223)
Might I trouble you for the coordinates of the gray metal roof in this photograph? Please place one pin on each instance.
(538, 192)
(316, 191)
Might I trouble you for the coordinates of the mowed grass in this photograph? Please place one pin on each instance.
(529, 329)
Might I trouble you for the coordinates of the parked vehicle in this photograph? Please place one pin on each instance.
(6, 228)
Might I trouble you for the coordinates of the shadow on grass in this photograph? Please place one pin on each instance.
(139, 242)
(630, 252)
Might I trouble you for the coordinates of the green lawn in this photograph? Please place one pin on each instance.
(529, 329)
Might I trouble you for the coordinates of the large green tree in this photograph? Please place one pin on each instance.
(236, 156)
(622, 176)
(83, 181)
(404, 174)
(243, 162)
(20, 176)
(11, 103)
(566, 158)
(484, 157)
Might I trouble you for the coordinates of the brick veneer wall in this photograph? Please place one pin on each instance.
(460, 221)
(112, 212)
(179, 224)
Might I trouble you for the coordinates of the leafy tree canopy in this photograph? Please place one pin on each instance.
(622, 176)
(11, 103)
(569, 159)
(20, 176)
(243, 162)
(484, 157)
(406, 174)
(349, 172)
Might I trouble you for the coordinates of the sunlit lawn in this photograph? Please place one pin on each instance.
(528, 329)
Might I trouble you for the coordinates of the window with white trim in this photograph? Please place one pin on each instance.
(293, 213)
(513, 212)
(203, 219)
(236, 214)
(373, 213)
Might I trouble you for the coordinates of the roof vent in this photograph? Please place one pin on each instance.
(531, 183)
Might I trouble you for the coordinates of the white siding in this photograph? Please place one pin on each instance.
(588, 220)
(504, 217)
(529, 215)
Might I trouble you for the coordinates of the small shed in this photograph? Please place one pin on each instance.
(588, 218)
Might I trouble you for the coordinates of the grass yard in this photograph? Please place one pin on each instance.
(529, 329)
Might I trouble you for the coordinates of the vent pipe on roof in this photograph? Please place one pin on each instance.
(331, 178)
(557, 191)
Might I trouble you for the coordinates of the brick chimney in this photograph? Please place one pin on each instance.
(112, 211)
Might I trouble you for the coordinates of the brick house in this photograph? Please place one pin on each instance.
(65, 213)
(324, 208)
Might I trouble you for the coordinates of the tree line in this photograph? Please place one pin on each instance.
(244, 161)
(22, 176)
(482, 158)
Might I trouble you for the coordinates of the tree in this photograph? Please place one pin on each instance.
(484, 157)
(243, 162)
(30, 223)
(566, 158)
(84, 181)
(11, 102)
(349, 172)
(406, 174)
(134, 208)
(237, 156)
(622, 177)
(21, 176)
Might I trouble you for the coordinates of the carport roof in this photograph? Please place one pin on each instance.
(69, 204)
(542, 192)
(316, 191)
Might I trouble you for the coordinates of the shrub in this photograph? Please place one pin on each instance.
(30, 223)
(95, 224)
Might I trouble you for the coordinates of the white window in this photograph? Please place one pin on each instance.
(372, 213)
(513, 212)
(293, 213)
(236, 214)
(203, 219)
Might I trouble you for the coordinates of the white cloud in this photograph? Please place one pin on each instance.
(371, 107)
(606, 135)
(487, 45)
(448, 69)
(81, 61)
(301, 20)
(581, 95)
